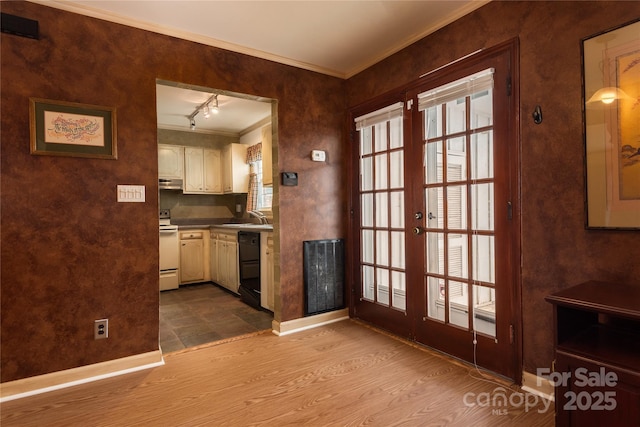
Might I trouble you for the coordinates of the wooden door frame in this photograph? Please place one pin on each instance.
(512, 48)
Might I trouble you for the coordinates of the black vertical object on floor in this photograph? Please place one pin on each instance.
(323, 275)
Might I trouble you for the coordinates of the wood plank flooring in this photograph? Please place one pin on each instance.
(342, 374)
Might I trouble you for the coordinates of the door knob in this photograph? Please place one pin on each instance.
(418, 230)
(418, 215)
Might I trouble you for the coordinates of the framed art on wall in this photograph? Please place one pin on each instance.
(611, 83)
(60, 128)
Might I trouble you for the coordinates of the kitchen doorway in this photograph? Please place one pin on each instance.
(196, 120)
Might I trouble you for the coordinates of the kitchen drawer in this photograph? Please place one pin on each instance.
(228, 237)
(190, 235)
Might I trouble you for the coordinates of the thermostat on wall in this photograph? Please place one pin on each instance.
(318, 156)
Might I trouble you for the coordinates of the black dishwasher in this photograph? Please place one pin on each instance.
(249, 264)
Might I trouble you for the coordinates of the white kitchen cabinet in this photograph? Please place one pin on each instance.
(267, 296)
(267, 146)
(170, 161)
(202, 171)
(226, 262)
(192, 257)
(235, 175)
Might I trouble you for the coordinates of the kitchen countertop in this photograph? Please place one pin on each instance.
(230, 227)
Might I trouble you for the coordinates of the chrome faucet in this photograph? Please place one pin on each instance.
(263, 219)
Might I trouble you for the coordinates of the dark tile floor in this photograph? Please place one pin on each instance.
(202, 313)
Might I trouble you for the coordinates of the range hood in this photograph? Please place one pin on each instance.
(169, 184)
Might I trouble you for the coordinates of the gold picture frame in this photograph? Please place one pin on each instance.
(60, 128)
(611, 90)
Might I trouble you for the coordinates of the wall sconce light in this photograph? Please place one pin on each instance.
(607, 95)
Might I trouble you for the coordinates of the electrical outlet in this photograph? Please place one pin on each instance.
(101, 329)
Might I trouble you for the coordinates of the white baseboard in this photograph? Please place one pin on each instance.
(84, 374)
(537, 385)
(304, 323)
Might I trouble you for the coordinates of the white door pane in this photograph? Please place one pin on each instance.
(482, 109)
(381, 172)
(482, 207)
(433, 161)
(397, 209)
(381, 137)
(458, 259)
(382, 280)
(396, 168)
(433, 122)
(367, 246)
(483, 258)
(397, 249)
(484, 310)
(367, 210)
(458, 304)
(382, 210)
(456, 116)
(435, 252)
(457, 207)
(396, 133)
(382, 248)
(366, 174)
(368, 284)
(434, 207)
(482, 155)
(435, 298)
(398, 296)
(365, 141)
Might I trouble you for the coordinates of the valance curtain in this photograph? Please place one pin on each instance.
(254, 154)
(457, 89)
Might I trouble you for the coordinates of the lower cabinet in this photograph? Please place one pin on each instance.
(191, 255)
(224, 264)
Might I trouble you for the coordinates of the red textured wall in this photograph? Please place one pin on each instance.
(557, 251)
(70, 253)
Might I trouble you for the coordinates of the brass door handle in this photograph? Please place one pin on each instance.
(418, 230)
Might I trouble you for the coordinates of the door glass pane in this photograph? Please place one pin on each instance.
(367, 210)
(433, 122)
(482, 155)
(482, 206)
(456, 160)
(367, 282)
(484, 310)
(456, 116)
(367, 246)
(397, 171)
(366, 174)
(382, 279)
(482, 109)
(432, 161)
(396, 133)
(365, 141)
(399, 296)
(397, 209)
(435, 298)
(458, 259)
(483, 258)
(381, 136)
(458, 304)
(381, 171)
(457, 206)
(382, 248)
(382, 210)
(435, 252)
(397, 249)
(434, 207)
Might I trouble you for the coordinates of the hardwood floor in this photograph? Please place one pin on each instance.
(342, 374)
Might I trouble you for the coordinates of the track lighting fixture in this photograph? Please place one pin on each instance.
(207, 109)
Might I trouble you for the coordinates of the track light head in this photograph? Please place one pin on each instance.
(193, 124)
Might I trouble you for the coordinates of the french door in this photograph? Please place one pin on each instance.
(435, 218)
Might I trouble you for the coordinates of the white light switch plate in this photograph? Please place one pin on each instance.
(131, 193)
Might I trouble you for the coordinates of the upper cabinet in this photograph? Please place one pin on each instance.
(170, 161)
(267, 173)
(235, 170)
(202, 171)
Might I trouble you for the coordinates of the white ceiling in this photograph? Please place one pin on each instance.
(337, 38)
